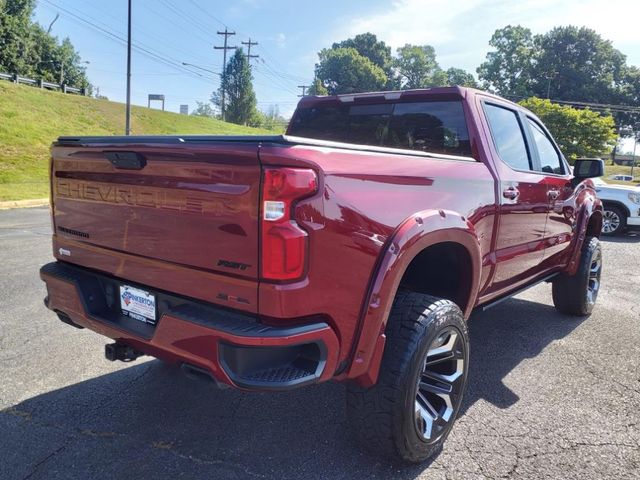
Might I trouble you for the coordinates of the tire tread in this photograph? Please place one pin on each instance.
(569, 290)
(371, 411)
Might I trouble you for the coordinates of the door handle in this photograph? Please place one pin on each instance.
(510, 193)
(553, 194)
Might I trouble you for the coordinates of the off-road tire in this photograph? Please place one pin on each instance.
(383, 418)
(571, 293)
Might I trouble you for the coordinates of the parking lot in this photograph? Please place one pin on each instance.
(549, 396)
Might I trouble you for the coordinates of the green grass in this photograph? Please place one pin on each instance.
(622, 170)
(30, 119)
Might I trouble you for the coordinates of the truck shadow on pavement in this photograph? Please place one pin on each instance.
(149, 421)
(630, 236)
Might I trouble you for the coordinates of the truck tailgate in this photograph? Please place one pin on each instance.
(193, 205)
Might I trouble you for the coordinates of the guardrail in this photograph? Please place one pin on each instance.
(15, 78)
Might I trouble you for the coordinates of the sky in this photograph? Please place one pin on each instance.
(289, 33)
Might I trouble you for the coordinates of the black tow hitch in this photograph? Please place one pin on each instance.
(120, 351)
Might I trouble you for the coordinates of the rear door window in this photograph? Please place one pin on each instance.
(508, 136)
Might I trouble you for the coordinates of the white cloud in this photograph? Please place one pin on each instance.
(281, 39)
(460, 31)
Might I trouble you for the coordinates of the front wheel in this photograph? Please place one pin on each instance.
(577, 294)
(409, 413)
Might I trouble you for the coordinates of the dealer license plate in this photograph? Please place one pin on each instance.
(138, 304)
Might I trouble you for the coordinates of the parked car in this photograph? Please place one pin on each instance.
(624, 178)
(621, 205)
(354, 248)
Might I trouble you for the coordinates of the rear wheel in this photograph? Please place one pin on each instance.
(614, 220)
(409, 413)
(577, 294)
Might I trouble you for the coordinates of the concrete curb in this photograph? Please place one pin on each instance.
(37, 202)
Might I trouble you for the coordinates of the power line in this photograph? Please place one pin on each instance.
(156, 40)
(604, 106)
(276, 77)
(143, 50)
(590, 105)
(193, 23)
(274, 80)
(280, 66)
(304, 90)
(289, 81)
(193, 2)
(261, 48)
(224, 49)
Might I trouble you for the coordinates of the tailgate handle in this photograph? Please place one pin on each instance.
(126, 160)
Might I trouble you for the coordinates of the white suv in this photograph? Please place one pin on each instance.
(621, 206)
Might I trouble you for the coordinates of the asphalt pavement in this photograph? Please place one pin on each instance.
(549, 396)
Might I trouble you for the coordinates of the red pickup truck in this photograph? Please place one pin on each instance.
(353, 248)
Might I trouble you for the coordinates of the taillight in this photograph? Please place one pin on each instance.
(284, 243)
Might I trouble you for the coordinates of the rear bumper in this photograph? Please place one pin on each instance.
(234, 347)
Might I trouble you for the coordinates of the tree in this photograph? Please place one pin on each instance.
(630, 96)
(577, 64)
(317, 88)
(204, 109)
(270, 120)
(578, 133)
(344, 70)
(417, 67)
(460, 77)
(368, 45)
(507, 70)
(237, 84)
(16, 42)
(29, 50)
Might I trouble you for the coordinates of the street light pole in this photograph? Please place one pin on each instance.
(127, 128)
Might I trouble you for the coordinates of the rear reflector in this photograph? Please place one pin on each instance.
(284, 243)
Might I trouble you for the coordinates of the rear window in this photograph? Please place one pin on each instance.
(437, 127)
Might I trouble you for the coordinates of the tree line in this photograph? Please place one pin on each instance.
(364, 63)
(567, 63)
(28, 49)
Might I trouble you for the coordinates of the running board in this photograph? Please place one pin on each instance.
(492, 304)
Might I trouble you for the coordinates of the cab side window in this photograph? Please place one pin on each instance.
(508, 137)
(550, 161)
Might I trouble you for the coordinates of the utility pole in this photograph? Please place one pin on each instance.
(127, 128)
(249, 56)
(634, 132)
(304, 90)
(224, 49)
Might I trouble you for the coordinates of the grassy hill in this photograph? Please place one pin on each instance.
(30, 119)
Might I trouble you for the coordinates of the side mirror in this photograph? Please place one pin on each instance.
(588, 168)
